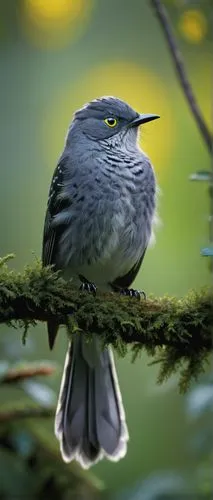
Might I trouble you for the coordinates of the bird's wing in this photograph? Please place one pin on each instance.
(52, 234)
(55, 204)
(125, 281)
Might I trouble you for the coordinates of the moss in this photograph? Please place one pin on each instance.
(176, 332)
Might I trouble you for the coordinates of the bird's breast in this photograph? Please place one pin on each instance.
(108, 225)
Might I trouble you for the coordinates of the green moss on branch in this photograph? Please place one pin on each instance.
(175, 330)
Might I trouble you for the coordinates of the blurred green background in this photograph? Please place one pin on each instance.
(55, 55)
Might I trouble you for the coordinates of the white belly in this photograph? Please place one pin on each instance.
(117, 261)
(128, 237)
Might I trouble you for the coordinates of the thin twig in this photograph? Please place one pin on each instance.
(18, 374)
(23, 413)
(181, 72)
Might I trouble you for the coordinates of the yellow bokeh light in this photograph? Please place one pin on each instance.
(53, 23)
(142, 89)
(50, 11)
(193, 25)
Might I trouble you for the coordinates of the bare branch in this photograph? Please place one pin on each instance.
(23, 413)
(19, 374)
(181, 72)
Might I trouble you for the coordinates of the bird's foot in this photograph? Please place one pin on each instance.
(130, 292)
(86, 286)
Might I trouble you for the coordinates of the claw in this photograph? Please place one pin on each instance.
(130, 292)
(88, 287)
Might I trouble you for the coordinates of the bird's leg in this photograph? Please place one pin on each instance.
(130, 292)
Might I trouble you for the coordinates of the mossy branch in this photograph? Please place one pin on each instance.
(174, 330)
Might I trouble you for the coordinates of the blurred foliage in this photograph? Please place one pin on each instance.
(199, 406)
(177, 485)
(31, 456)
(28, 454)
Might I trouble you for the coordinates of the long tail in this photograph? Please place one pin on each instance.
(90, 420)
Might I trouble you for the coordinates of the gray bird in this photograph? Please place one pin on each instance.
(98, 224)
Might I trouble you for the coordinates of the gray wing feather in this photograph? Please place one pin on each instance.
(52, 234)
(55, 204)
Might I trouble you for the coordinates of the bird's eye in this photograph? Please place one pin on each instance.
(111, 122)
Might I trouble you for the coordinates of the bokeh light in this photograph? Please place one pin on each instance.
(54, 10)
(193, 25)
(140, 87)
(51, 24)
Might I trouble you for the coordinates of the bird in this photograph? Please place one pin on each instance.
(99, 221)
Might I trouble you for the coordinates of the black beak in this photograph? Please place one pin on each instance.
(144, 118)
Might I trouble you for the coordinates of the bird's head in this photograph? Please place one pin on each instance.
(108, 119)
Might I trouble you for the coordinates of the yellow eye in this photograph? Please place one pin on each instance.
(111, 122)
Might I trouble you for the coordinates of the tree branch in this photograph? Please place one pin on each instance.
(181, 328)
(18, 374)
(181, 72)
(23, 413)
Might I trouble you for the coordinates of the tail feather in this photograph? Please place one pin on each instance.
(107, 409)
(111, 428)
(90, 443)
(70, 413)
(90, 420)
